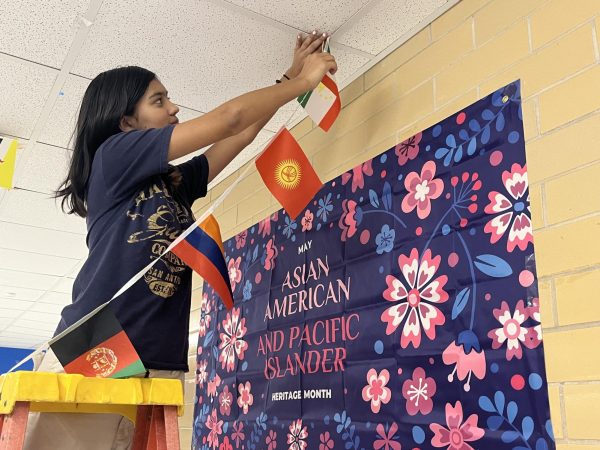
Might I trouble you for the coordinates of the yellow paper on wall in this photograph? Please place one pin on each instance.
(8, 159)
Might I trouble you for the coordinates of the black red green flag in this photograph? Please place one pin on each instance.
(97, 346)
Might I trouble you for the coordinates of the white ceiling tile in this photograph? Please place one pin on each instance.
(10, 312)
(35, 175)
(27, 279)
(64, 285)
(27, 343)
(61, 123)
(41, 240)
(56, 298)
(45, 327)
(18, 293)
(73, 273)
(32, 208)
(25, 87)
(307, 15)
(384, 22)
(36, 263)
(44, 317)
(348, 64)
(50, 308)
(210, 55)
(40, 32)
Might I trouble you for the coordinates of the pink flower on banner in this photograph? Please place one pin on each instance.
(235, 274)
(297, 435)
(408, 149)
(225, 400)
(264, 226)
(205, 317)
(240, 239)
(232, 339)
(238, 434)
(245, 399)
(357, 175)
(215, 427)
(419, 392)
(512, 331)
(350, 219)
(421, 190)
(387, 439)
(307, 220)
(202, 374)
(271, 440)
(376, 391)
(325, 441)
(535, 333)
(416, 299)
(468, 356)
(213, 384)
(226, 445)
(271, 253)
(456, 436)
(512, 214)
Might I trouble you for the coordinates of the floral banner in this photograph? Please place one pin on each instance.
(399, 311)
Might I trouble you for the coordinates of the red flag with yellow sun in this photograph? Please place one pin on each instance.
(287, 173)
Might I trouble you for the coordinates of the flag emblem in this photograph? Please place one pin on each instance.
(288, 174)
(103, 361)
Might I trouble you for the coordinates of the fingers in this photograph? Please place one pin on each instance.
(308, 39)
(317, 44)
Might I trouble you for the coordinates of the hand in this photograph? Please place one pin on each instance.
(316, 66)
(305, 45)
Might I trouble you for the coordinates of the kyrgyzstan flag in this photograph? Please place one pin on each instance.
(8, 158)
(202, 250)
(97, 346)
(287, 173)
(323, 104)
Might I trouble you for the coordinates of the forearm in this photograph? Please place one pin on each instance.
(262, 104)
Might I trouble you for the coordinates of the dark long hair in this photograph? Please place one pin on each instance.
(110, 96)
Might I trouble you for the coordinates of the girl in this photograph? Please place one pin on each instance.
(136, 203)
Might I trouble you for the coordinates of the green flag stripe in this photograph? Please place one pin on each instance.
(132, 369)
(303, 99)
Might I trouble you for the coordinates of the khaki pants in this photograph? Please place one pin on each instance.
(71, 431)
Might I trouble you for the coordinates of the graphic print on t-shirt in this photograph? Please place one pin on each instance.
(162, 227)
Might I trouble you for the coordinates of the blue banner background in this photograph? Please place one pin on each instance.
(400, 311)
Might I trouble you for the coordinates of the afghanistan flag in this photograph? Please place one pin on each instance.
(97, 346)
(203, 251)
(287, 173)
(8, 158)
(323, 103)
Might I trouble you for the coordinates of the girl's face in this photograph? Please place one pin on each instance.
(154, 110)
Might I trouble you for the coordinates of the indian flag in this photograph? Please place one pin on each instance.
(323, 104)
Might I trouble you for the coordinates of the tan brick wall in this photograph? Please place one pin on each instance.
(475, 47)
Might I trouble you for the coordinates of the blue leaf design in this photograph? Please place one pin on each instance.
(373, 198)
(348, 445)
(248, 256)
(493, 266)
(472, 147)
(474, 125)
(463, 134)
(450, 141)
(448, 159)
(486, 404)
(527, 426)
(487, 114)
(499, 401)
(208, 338)
(509, 436)
(441, 152)
(215, 352)
(386, 198)
(255, 254)
(541, 444)
(485, 135)
(494, 422)
(461, 301)
(511, 411)
(549, 429)
(500, 122)
(459, 153)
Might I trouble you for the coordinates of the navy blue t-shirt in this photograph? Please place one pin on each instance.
(133, 216)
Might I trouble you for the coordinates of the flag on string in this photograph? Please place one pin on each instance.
(287, 173)
(323, 104)
(97, 346)
(203, 251)
(8, 158)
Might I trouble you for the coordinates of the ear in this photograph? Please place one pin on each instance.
(127, 123)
